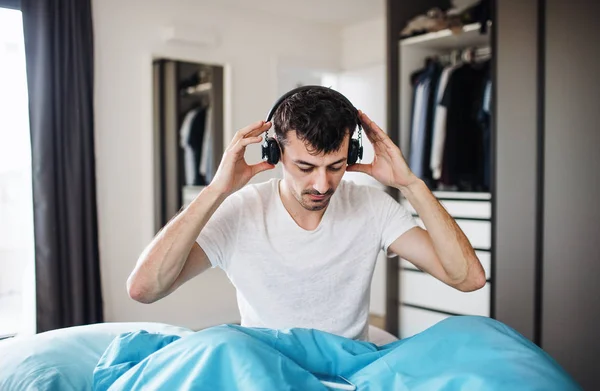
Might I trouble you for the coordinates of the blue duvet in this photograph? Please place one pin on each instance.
(460, 353)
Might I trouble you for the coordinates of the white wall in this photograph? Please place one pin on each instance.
(127, 38)
(363, 81)
(363, 44)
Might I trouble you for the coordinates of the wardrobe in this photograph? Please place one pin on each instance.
(188, 132)
(536, 226)
(444, 78)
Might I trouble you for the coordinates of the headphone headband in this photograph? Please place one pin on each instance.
(270, 148)
(311, 87)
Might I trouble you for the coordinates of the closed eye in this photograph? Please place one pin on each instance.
(309, 169)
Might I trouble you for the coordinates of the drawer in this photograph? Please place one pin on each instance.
(485, 257)
(466, 195)
(423, 290)
(467, 209)
(414, 320)
(479, 233)
(481, 210)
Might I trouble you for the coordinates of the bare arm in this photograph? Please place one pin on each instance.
(173, 257)
(442, 250)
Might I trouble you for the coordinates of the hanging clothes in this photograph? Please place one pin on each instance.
(463, 155)
(425, 82)
(207, 169)
(435, 71)
(450, 130)
(191, 139)
(418, 129)
(485, 115)
(439, 125)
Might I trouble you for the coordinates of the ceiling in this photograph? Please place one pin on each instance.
(330, 12)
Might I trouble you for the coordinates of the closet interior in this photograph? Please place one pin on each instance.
(445, 111)
(188, 142)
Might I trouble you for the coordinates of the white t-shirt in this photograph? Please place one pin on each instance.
(286, 276)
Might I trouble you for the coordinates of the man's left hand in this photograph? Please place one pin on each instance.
(388, 166)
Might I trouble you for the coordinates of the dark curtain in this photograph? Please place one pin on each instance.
(59, 53)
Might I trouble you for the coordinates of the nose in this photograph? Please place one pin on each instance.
(321, 183)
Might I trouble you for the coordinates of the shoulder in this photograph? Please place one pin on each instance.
(259, 189)
(256, 193)
(355, 192)
(370, 201)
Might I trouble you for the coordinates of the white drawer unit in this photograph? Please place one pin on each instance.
(479, 233)
(414, 320)
(462, 195)
(468, 209)
(485, 257)
(423, 290)
(424, 300)
(464, 209)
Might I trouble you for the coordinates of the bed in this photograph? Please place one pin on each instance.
(461, 353)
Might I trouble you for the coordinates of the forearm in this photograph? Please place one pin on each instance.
(161, 262)
(450, 244)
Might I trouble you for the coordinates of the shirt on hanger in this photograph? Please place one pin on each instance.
(418, 131)
(439, 125)
(206, 168)
(425, 82)
(462, 161)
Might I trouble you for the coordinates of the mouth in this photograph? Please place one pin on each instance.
(318, 197)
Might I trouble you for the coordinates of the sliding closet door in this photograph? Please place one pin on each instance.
(571, 288)
(516, 169)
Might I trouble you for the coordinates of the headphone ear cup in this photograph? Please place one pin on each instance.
(272, 151)
(354, 151)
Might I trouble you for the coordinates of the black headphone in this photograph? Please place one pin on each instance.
(270, 147)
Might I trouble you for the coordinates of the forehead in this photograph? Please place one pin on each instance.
(299, 150)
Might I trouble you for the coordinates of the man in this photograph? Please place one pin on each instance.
(301, 250)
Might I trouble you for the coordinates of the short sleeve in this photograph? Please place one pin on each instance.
(394, 219)
(219, 235)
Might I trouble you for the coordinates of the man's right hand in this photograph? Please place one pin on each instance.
(233, 172)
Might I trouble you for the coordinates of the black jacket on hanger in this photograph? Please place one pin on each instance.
(463, 159)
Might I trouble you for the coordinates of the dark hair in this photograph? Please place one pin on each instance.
(320, 118)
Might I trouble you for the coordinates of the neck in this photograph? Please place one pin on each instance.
(306, 219)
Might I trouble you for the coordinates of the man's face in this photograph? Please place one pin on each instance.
(312, 179)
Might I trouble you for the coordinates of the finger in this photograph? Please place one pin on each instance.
(376, 142)
(260, 130)
(370, 135)
(250, 128)
(260, 167)
(365, 168)
(371, 127)
(250, 140)
(243, 143)
(374, 137)
(376, 132)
